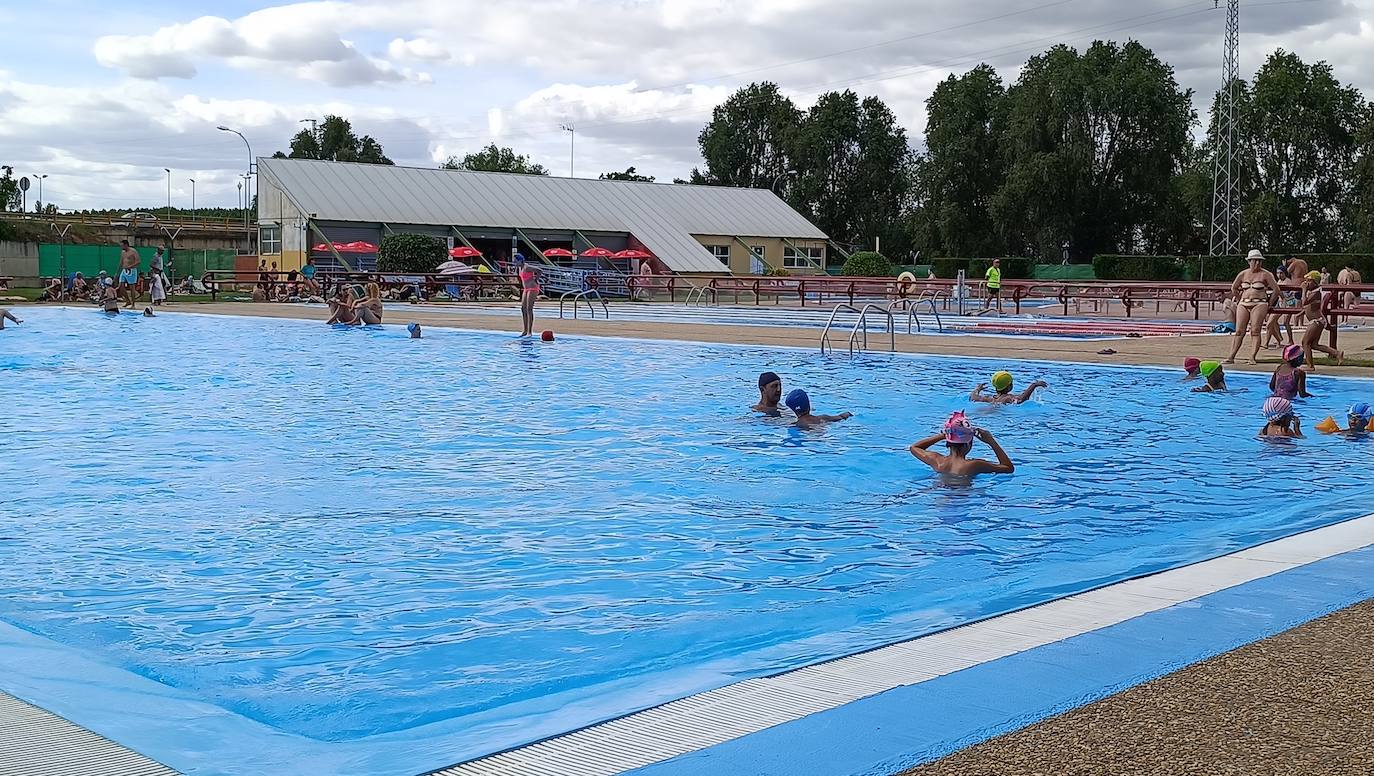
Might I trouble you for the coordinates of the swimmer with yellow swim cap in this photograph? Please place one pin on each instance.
(1001, 383)
(1215, 374)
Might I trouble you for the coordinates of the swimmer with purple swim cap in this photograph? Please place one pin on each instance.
(800, 403)
(958, 435)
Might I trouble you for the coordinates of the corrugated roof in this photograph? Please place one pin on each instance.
(662, 216)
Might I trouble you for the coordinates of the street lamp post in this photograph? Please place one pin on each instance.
(572, 145)
(41, 202)
(248, 195)
(169, 192)
(193, 198)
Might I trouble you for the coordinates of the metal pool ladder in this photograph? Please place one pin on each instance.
(697, 296)
(860, 327)
(909, 306)
(584, 296)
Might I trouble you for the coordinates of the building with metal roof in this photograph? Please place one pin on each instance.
(304, 204)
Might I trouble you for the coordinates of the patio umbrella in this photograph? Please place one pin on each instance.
(559, 252)
(631, 253)
(596, 253)
(454, 267)
(464, 252)
(357, 246)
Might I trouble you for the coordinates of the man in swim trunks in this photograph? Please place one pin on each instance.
(1001, 383)
(770, 393)
(958, 435)
(800, 403)
(6, 315)
(128, 273)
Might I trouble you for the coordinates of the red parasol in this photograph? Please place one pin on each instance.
(559, 252)
(357, 246)
(596, 253)
(631, 253)
(464, 252)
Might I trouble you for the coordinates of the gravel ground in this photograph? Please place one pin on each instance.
(1295, 704)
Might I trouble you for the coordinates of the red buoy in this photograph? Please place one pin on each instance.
(547, 335)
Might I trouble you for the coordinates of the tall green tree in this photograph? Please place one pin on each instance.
(1298, 128)
(963, 166)
(1360, 213)
(335, 141)
(495, 158)
(628, 175)
(749, 139)
(10, 199)
(1093, 142)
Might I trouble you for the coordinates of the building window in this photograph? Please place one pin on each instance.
(270, 239)
(721, 252)
(802, 258)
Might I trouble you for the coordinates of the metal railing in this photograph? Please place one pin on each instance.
(697, 296)
(584, 296)
(860, 327)
(909, 306)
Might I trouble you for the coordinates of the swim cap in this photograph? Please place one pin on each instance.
(798, 402)
(519, 258)
(1313, 275)
(1361, 410)
(1190, 364)
(1208, 367)
(1293, 353)
(768, 378)
(1001, 381)
(1277, 408)
(410, 327)
(958, 431)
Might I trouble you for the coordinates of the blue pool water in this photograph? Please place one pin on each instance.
(345, 534)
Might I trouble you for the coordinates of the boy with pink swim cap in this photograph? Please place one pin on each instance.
(958, 435)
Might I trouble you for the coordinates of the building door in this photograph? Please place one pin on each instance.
(756, 265)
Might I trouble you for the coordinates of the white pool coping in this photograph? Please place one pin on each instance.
(717, 716)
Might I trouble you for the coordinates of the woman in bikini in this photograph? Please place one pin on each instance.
(1253, 289)
(529, 291)
(368, 310)
(1316, 324)
(341, 306)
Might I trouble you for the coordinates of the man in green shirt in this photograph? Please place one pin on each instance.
(994, 284)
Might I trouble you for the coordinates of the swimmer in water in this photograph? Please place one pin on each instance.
(1289, 380)
(800, 403)
(414, 329)
(1001, 383)
(1215, 376)
(110, 298)
(958, 436)
(6, 315)
(1279, 419)
(148, 312)
(1191, 366)
(1358, 418)
(770, 393)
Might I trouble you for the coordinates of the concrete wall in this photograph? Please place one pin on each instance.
(773, 249)
(19, 260)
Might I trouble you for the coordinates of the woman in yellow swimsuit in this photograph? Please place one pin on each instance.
(1254, 288)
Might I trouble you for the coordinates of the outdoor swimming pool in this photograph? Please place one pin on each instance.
(468, 541)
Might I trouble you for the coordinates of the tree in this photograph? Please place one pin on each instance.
(495, 159)
(10, 198)
(335, 141)
(963, 166)
(748, 140)
(1092, 144)
(1361, 209)
(417, 253)
(1298, 129)
(628, 175)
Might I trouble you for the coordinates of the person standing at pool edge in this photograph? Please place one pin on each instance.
(529, 292)
(6, 315)
(770, 393)
(128, 273)
(1311, 304)
(1253, 289)
(800, 403)
(994, 284)
(958, 435)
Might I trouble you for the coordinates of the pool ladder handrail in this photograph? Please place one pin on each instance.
(698, 296)
(584, 296)
(909, 306)
(859, 326)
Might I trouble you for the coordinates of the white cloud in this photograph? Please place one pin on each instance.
(426, 50)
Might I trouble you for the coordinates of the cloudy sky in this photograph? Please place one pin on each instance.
(101, 95)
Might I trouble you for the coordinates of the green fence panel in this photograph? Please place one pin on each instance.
(89, 260)
(1063, 272)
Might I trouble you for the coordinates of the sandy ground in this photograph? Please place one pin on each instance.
(1295, 704)
(1169, 351)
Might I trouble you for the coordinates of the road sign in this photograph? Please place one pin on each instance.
(24, 183)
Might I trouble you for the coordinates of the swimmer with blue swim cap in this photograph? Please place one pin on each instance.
(800, 403)
(1002, 384)
(1360, 414)
(770, 394)
(958, 435)
(414, 329)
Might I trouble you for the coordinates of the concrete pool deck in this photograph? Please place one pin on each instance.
(1147, 351)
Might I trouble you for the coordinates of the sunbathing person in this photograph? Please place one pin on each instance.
(1280, 420)
(368, 310)
(1001, 383)
(770, 393)
(341, 306)
(958, 436)
(800, 403)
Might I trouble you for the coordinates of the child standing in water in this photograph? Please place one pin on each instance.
(800, 403)
(958, 436)
(1215, 375)
(1280, 421)
(1289, 380)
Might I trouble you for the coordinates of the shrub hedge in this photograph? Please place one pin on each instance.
(867, 264)
(1218, 269)
(410, 253)
(1112, 267)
